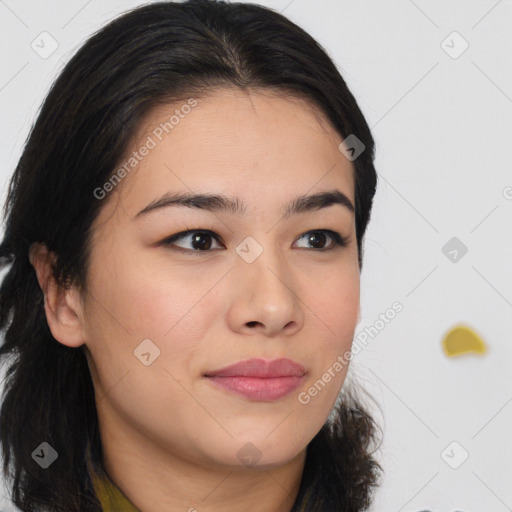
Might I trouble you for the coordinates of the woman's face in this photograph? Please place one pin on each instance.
(162, 317)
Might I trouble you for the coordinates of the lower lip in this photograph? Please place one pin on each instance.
(258, 388)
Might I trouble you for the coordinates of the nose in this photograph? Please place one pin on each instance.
(267, 298)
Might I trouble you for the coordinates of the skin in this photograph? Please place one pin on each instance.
(169, 436)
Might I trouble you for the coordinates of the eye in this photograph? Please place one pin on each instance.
(201, 240)
(318, 237)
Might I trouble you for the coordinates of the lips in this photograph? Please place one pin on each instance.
(261, 368)
(259, 379)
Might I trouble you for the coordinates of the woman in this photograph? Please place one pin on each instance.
(184, 239)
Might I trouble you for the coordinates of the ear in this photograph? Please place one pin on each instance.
(63, 307)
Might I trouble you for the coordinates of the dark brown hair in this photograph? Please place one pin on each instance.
(153, 55)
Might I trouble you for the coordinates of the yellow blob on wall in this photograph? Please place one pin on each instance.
(463, 340)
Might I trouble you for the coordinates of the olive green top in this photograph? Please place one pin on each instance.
(111, 497)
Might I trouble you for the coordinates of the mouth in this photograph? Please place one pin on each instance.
(259, 379)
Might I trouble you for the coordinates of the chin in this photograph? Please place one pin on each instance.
(261, 454)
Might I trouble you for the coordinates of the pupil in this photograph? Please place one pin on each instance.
(201, 245)
(316, 235)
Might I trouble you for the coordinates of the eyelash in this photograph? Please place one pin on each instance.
(338, 239)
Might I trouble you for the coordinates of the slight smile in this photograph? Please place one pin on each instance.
(259, 379)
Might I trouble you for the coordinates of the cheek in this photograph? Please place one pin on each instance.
(337, 309)
(175, 306)
(169, 306)
(144, 295)
(135, 303)
(336, 305)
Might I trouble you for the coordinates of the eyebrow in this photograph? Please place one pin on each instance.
(235, 206)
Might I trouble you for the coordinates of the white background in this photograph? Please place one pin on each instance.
(443, 129)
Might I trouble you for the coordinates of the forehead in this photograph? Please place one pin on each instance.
(259, 144)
